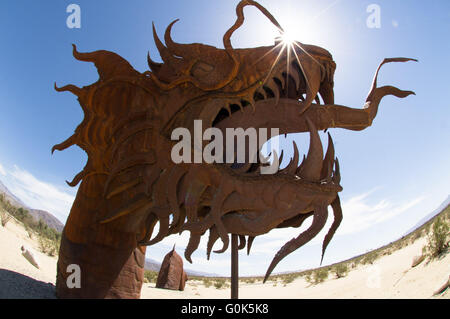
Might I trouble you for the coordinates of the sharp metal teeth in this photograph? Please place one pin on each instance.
(299, 169)
(294, 74)
(228, 108)
(263, 93)
(337, 172)
(317, 99)
(249, 243)
(272, 85)
(252, 102)
(292, 167)
(312, 165)
(280, 160)
(282, 79)
(327, 168)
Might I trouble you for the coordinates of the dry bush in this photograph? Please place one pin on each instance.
(4, 218)
(438, 239)
(340, 270)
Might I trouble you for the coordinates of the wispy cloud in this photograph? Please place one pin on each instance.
(38, 194)
(2, 170)
(360, 215)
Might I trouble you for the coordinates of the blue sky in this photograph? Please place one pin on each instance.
(393, 173)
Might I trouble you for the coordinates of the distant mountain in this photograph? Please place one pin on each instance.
(10, 196)
(48, 218)
(37, 214)
(153, 265)
(430, 215)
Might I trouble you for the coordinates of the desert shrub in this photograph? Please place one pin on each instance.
(438, 239)
(4, 217)
(287, 279)
(340, 270)
(370, 258)
(49, 247)
(220, 283)
(317, 276)
(151, 276)
(207, 282)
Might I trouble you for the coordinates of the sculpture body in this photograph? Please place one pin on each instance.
(130, 182)
(171, 275)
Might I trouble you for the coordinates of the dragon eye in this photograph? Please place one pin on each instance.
(201, 69)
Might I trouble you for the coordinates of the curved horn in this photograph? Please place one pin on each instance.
(175, 48)
(165, 53)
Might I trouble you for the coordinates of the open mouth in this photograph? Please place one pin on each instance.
(285, 90)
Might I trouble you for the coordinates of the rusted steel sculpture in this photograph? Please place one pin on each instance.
(172, 275)
(130, 182)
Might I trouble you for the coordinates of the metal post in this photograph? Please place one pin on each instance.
(234, 267)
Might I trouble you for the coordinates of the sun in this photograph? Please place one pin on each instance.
(288, 38)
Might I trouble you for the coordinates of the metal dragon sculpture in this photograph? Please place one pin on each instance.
(130, 183)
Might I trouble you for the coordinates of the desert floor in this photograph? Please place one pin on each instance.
(390, 276)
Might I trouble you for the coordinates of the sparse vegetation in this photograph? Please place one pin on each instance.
(4, 217)
(317, 276)
(340, 270)
(207, 282)
(150, 276)
(438, 239)
(49, 238)
(221, 283)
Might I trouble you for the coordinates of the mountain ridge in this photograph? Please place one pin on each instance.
(37, 214)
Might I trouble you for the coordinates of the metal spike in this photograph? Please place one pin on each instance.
(273, 86)
(327, 166)
(250, 240)
(293, 165)
(319, 221)
(317, 99)
(337, 213)
(312, 165)
(242, 242)
(194, 241)
(296, 77)
(301, 165)
(337, 172)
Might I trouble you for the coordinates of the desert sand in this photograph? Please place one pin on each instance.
(390, 276)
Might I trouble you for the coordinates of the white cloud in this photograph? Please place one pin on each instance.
(38, 194)
(359, 215)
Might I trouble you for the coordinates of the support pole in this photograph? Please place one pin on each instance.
(234, 267)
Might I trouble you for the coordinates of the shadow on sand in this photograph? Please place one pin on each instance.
(17, 286)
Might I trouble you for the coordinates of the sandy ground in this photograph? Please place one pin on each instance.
(390, 276)
(18, 277)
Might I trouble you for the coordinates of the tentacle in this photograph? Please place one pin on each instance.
(337, 212)
(319, 220)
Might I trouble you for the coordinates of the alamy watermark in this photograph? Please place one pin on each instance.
(74, 19)
(241, 146)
